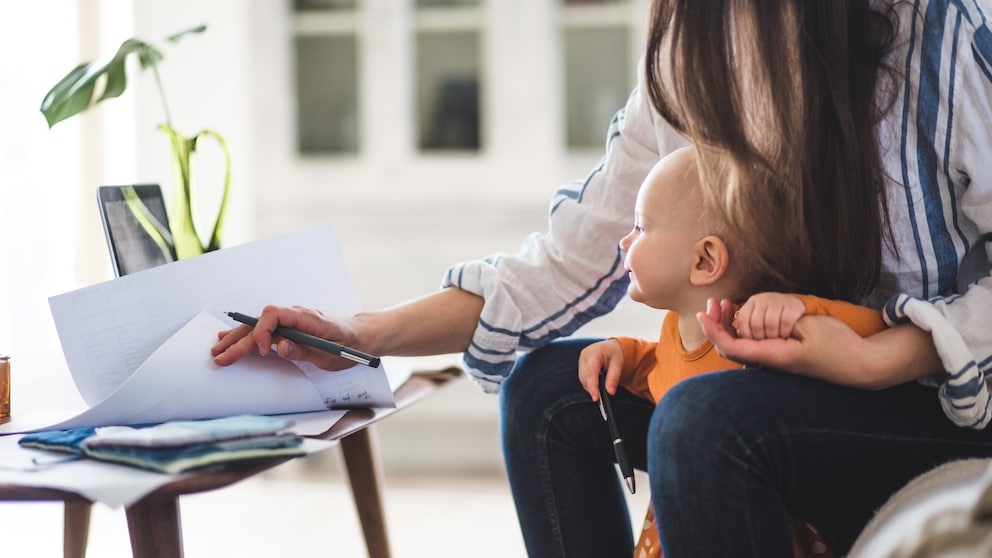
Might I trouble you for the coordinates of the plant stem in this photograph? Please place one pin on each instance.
(161, 95)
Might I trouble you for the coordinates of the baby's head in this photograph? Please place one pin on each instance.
(678, 252)
(673, 190)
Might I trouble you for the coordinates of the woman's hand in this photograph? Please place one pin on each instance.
(242, 341)
(603, 355)
(824, 347)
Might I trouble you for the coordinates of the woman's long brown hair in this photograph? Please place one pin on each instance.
(784, 95)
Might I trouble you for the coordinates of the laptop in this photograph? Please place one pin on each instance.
(137, 234)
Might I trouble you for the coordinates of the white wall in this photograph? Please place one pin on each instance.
(40, 187)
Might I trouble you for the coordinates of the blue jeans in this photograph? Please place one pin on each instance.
(731, 456)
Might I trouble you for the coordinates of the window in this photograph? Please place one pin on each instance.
(327, 88)
(596, 45)
(447, 74)
(430, 70)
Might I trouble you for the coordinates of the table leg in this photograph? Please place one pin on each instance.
(362, 463)
(75, 529)
(155, 529)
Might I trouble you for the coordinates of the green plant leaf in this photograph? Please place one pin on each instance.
(185, 240)
(175, 37)
(155, 229)
(77, 91)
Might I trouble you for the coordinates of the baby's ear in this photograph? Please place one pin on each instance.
(710, 261)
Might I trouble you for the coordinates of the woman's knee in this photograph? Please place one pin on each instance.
(541, 377)
(698, 421)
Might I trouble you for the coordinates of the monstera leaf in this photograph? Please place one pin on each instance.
(89, 84)
(78, 91)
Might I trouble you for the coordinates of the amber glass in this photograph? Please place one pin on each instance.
(4, 386)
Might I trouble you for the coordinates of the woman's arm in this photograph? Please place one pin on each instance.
(890, 357)
(441, 322)
(438, 323)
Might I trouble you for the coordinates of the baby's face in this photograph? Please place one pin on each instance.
(659, 249)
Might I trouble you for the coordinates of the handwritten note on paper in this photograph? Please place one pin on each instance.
(350, 388)
(111, 329)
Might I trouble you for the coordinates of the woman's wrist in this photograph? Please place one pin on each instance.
(365, 328)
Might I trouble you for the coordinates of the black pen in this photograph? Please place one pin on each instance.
(311, 341)
(606, 408)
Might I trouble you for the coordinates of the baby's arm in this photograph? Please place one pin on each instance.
(769, 315)
(774, 315)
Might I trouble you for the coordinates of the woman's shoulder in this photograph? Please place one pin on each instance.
(940, 19)
(943, 48)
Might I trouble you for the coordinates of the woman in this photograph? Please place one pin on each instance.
(830, 107)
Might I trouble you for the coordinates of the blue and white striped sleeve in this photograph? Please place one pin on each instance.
(953, 224)
(573, 272)
(963, 389)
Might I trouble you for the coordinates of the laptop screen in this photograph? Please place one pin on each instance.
(132, 247)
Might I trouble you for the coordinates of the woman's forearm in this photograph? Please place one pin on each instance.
(441, 322)
(900, 354)
(824, 347)
(835, 353)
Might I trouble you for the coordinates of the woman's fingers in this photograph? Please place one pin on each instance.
(233, 345)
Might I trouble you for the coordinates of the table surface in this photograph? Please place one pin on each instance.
(414, 389)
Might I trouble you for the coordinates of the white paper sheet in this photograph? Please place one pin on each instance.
(179, 381)
(109, 329)
(138, 347)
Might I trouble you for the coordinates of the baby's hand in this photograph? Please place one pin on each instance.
(768, 316)
(603, 355)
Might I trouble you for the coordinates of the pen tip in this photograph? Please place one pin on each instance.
(630, 484)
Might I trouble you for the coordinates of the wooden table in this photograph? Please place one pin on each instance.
(154, 523)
